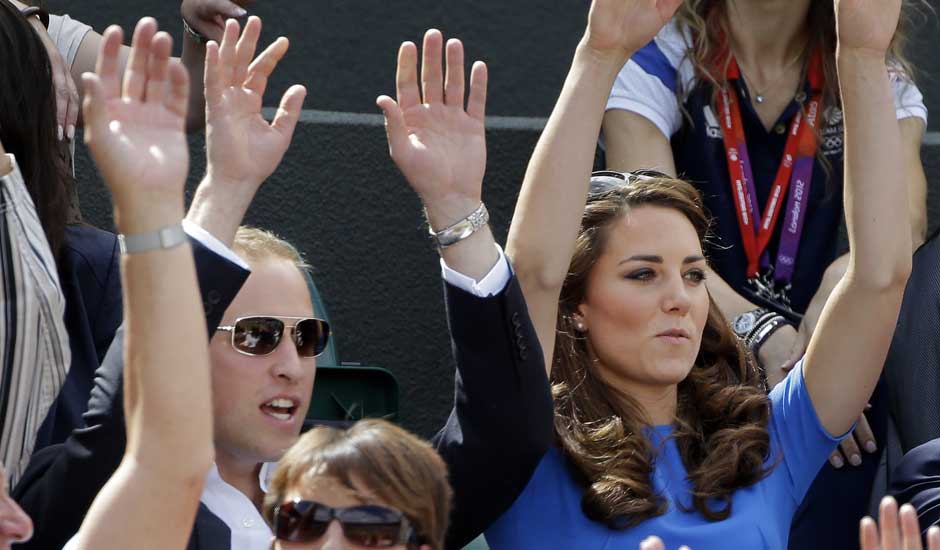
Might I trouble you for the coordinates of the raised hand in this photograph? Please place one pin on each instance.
(438, 145)
(241, 145)
(207, 17)
(624, 26)
(867, 25)
(135, 129)
(898, 531)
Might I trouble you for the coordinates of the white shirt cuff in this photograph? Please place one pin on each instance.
(213, 244)
(490, 285)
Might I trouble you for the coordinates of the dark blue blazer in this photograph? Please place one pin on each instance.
(90, 276)
(916, 480)
(499, 429)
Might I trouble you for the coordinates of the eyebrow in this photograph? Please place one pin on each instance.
(659, 259)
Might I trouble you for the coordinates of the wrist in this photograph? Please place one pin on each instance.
(606, 62)
(443, 212)
(854, 58)
(146, 216)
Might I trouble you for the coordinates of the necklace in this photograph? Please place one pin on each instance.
(760, 95)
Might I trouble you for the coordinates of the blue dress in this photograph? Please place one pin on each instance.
(547, 515)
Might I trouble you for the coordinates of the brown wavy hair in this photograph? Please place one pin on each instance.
(706, 22)
(723, 409)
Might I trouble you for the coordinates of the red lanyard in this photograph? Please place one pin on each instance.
(800, 150)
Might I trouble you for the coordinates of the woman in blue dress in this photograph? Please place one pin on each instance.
(662, 426)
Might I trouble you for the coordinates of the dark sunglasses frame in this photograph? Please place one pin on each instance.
(304, 511)
(319, 349)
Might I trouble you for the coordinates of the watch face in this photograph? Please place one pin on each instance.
(743, 323)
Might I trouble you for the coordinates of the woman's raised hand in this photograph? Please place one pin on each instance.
(898, 530)
(135, 128)
(438, 145)
(867, 25)
(624, 26)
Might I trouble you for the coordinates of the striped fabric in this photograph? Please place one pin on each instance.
(34, 346)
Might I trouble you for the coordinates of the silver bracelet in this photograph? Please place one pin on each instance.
(201, 38)
(459, 231)
(166, 237)
(761, 333)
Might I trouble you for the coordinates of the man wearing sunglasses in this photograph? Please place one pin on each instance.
(262, 353)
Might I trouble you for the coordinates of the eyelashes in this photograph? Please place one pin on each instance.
(696, 276)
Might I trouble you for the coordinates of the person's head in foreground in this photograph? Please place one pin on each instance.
(371, 486)
(637, 330)
(263, 355)
(15, 525)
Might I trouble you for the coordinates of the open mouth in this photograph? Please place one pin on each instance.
(280, 408)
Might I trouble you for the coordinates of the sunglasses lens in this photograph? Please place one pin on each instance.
(372, 526)
(299, 523)
(258, 335)
(311, 337)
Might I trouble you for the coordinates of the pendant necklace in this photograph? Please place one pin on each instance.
(760, 95)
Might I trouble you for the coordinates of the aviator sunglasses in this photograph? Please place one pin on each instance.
(260, 335)
(370, 526)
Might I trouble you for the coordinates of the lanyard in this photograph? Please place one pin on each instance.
(796, 171)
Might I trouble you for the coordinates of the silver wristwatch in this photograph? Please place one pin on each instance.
(459, 231)
(745, 323)
(166, 237)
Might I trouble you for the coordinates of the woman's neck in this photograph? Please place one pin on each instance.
(658, 402)
(766, 35)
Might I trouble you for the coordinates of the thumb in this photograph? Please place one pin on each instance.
(395, 128)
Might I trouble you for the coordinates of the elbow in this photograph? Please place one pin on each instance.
(889, 277)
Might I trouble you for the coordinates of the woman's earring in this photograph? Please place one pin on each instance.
(579, 326)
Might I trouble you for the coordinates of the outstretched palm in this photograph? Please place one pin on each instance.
(627, 25)
(241, 144)
(438, 145)
(137, 134)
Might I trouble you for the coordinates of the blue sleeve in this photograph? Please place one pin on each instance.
(798, 437)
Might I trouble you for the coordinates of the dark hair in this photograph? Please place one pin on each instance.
(394, 465)
(28, 121)
(722, 414)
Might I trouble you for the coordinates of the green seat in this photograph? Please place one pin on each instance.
(344, 392)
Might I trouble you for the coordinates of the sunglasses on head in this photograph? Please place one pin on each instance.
(260, 335)
(369, 526)
(605, 181)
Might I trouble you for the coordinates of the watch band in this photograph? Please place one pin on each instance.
(746, 322)
(459, 231)
(761, 333)
(167, 237)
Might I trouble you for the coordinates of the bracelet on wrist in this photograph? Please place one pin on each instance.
(462, 229)
(36, 11)
(164, 238)
(764, 331)
(198, 36)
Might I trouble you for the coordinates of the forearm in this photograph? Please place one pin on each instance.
(194, 59)
(548, 212)
(166, 379)
(877, 212)
(219, 206)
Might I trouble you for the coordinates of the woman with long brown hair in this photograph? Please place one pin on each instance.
(747, 91)
(661, 419)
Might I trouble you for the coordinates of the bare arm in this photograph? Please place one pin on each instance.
(912, 134)
(140, 148)
(548, 212)
(868, 298)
